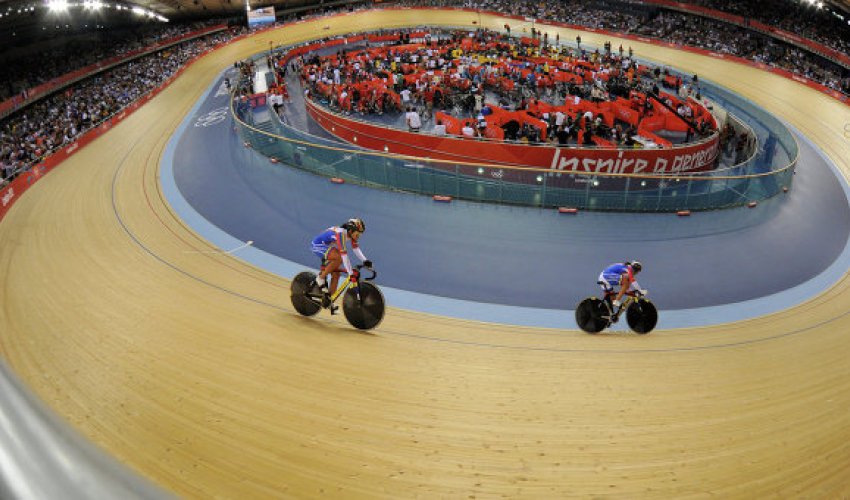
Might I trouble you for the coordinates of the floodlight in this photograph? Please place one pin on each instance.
(57, 5)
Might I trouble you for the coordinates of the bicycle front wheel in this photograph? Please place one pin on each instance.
(363, 306)
(642, 315)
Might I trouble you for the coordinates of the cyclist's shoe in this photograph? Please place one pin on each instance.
(323, 287)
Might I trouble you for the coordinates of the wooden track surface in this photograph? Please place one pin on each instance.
(193, 368)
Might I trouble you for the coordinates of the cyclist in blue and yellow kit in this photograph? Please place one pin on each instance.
(622, 275)
(331, 247)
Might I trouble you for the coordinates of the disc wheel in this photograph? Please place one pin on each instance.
(590, 315)
(299, 288)
(642, 316)
(366, 312)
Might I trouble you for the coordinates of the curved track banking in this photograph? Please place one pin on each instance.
(537, 260)
(190, 366)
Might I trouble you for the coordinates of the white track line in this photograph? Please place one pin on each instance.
(240, 247)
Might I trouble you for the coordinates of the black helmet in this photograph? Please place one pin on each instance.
(636, 266)
(354, 225)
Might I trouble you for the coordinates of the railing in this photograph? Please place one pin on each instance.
(43, 458)
(752, 181)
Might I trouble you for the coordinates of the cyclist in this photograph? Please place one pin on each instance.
(331, 247)
(622, 275)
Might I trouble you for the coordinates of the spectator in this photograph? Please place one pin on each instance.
(414, 122)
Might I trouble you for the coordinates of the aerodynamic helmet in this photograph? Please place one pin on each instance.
(355, 224)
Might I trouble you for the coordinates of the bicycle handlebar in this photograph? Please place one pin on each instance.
(370, 278)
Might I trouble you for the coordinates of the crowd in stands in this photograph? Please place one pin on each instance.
(699, 31)
(801, 17)
(490, 85)
(51, 123)
(24, 73)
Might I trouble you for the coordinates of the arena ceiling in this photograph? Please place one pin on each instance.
(22, 21)
(27, 11)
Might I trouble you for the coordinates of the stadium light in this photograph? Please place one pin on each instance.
(138, 10)
(57, 5)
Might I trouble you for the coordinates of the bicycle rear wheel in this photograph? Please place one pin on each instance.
(642, 316)
(590, 315)
(299, 288)
(367, 311)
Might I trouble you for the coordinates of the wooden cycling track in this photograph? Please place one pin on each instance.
(193, 369)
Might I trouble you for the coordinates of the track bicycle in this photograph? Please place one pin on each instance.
(362, 303)
(594, 314)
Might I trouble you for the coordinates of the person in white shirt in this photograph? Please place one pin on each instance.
(559, 118)
(414, 123)
(467, 131)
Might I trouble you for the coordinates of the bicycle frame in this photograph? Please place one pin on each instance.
(346, 283)
(631, 296)
(341, 289)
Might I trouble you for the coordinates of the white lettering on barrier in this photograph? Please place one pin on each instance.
(8, 195)
(688, 161)
(680, 163)
(73, 147)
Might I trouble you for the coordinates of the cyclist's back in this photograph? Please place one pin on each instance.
(612, 273)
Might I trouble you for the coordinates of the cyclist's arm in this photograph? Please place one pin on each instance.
(359, 253)
(635, 286)
(626, 283)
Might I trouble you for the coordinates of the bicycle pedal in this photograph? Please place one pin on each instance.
(333, 309)
(326, 301)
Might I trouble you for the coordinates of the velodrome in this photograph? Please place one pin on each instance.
(192, 368)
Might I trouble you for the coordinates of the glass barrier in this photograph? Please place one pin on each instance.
(769, 172)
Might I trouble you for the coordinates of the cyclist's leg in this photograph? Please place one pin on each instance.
(607, 291)
(333, 261)
(321, 252)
